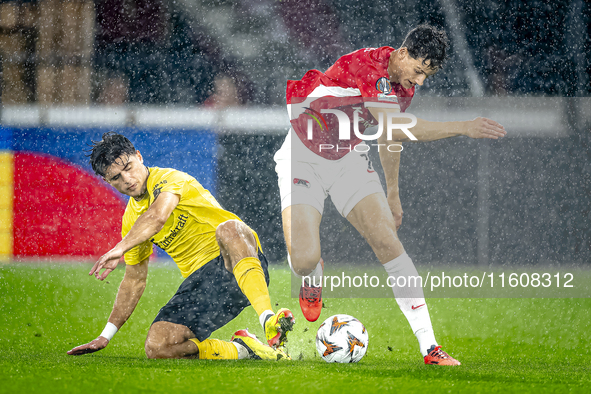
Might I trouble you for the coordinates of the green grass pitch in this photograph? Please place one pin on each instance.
(505, 345)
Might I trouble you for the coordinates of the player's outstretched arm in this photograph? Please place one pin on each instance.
(145, 227)
(130, 291)
(426, 130)
(476, 128)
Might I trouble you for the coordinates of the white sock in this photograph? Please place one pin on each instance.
(264, 316)
(411, 300)
(315, 276)
(242, 352)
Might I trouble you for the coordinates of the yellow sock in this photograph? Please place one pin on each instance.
(251, 279)
(215, 349)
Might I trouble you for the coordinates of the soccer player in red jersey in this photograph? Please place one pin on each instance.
(314, 162)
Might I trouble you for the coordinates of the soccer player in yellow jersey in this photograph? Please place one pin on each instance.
(220, 257)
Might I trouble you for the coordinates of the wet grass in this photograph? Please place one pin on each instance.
(505, 345)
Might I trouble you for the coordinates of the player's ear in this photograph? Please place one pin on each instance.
(139, 156)
(402, 52)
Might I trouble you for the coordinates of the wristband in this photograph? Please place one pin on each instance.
(109, 331)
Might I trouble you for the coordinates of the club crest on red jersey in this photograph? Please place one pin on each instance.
(301, 182)
(383, 85)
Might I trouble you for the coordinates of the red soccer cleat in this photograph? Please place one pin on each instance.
(437, 356)
(311, 299)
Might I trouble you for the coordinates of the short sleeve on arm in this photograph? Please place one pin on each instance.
(173, 182)
(140, 252)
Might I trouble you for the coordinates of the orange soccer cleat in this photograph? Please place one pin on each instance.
(311, 301)
(437, 356)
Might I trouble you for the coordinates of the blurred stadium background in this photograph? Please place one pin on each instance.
(199, 85)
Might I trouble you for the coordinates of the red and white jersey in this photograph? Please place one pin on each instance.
(350, 83)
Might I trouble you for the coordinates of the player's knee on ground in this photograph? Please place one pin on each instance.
(154, 347)
(157, 343)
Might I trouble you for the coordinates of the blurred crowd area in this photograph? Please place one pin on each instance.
(222, 53)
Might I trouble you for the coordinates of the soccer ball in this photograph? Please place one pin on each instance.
(341, 339)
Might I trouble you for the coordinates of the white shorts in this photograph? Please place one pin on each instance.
(306, 178)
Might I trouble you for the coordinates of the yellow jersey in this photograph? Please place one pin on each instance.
(189, 233)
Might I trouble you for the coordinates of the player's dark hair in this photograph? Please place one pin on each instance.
(105, 152)
(427, 42)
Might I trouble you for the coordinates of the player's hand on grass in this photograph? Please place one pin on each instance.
(396, 208)
(108, 261)
(91, 347)
(484, 128)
